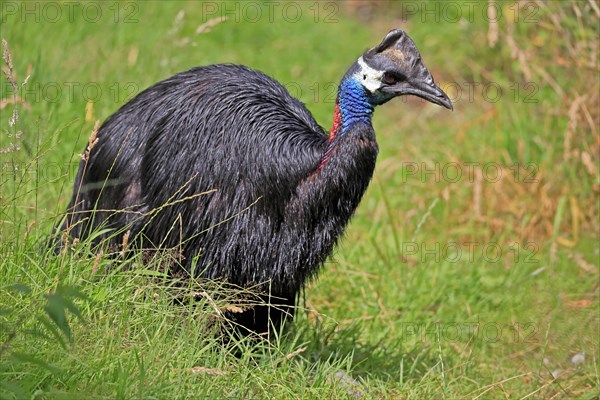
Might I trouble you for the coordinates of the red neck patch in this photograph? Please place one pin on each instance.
(337, 120)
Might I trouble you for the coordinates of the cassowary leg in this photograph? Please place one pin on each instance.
(264, 319)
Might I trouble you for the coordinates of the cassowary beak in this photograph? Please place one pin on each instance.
(420, 84)
(425, 88)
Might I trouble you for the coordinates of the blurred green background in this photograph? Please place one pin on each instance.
(471, 269)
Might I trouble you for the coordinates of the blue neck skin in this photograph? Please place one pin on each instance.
(355, 104)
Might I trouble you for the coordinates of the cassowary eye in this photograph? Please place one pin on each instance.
(390, 78)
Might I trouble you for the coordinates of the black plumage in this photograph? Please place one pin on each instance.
(222, 164)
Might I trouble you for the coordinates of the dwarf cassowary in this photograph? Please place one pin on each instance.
(223, 165)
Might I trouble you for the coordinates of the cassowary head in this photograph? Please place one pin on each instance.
(394, 68)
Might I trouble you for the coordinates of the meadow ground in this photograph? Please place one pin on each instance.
(471, 269)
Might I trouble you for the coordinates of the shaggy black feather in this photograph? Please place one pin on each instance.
(255, 190)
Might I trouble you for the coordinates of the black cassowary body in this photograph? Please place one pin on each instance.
(223, 164)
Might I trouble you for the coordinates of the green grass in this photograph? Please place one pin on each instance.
(410, 306)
